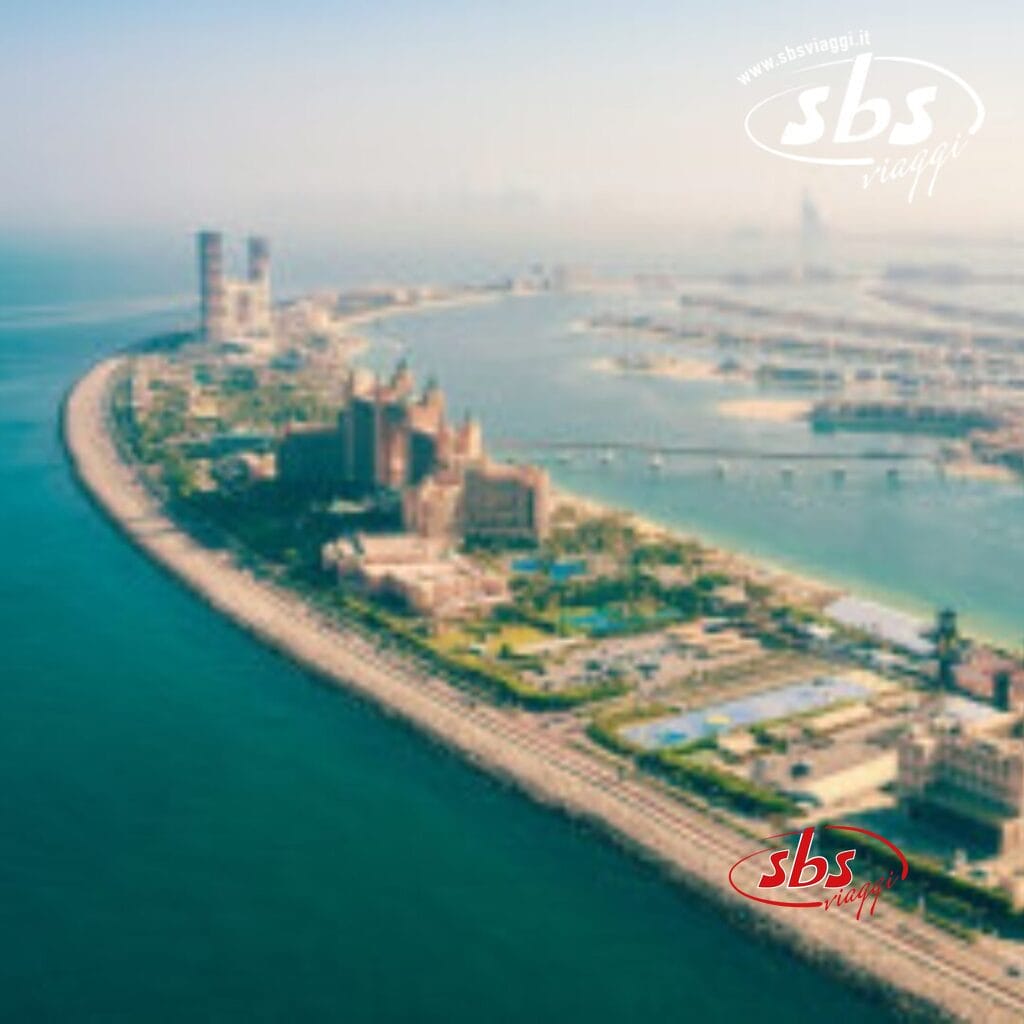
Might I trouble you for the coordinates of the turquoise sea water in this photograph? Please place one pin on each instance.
(921, 542)
(192, 830)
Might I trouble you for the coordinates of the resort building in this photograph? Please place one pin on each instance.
(374, 430)
(966, 772)
(902, 632)
(387, 439)
(989, 676)
(384, 439)
(434, 507)
(503, 502)
(421, 573)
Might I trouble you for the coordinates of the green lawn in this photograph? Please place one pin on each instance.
(494, 636)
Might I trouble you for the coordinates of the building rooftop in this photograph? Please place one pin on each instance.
(894, 627)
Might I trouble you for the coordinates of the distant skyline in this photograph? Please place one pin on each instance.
(396, 116)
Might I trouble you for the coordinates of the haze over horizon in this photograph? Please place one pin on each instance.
(598, 118)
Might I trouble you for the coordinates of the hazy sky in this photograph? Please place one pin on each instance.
(390, 112)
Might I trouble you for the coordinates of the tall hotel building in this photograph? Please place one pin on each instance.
(211, 285)
(388, 439)
(230, 307)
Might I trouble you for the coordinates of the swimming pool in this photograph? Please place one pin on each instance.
(609, 621)
(560, 571)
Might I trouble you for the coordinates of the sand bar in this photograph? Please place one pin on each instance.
(766, 410)
(666, 367)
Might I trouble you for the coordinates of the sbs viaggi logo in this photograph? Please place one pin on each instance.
(895, 119)
(787, 874)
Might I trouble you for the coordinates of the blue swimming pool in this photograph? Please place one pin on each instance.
(567, 569)
(760, 707)
(608, 622)
(560, 571)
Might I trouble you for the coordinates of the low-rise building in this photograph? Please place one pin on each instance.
(422, 573)
(832, 783)
(969, 772)
(992, 676)
(901, 631)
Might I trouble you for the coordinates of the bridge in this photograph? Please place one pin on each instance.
(712, 451)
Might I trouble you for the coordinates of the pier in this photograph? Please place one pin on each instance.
(610, 448)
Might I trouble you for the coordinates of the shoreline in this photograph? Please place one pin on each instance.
(765, 410)
(814, 585)
(816, 582)
(457, 300)
(812, 589)
(687, 843)
(663, 368)
(981, 472)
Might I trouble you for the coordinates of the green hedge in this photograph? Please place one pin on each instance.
(610, 739)
(992, 904)
(738, 793)
(678, 767)
(605, 729)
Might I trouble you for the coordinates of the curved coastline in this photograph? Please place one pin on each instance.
(805, 565)
(687, 843)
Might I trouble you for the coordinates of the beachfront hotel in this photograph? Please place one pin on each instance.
(388, 440)
(505, 502)
(384, 438)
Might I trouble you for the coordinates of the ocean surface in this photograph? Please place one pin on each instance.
(920, 542)
(192, 829)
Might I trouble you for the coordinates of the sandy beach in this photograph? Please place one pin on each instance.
(666, 367)
(346, 327)
(766, 410)
(427, 305)
(967, 469)
(894, 950)
(797, 588)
